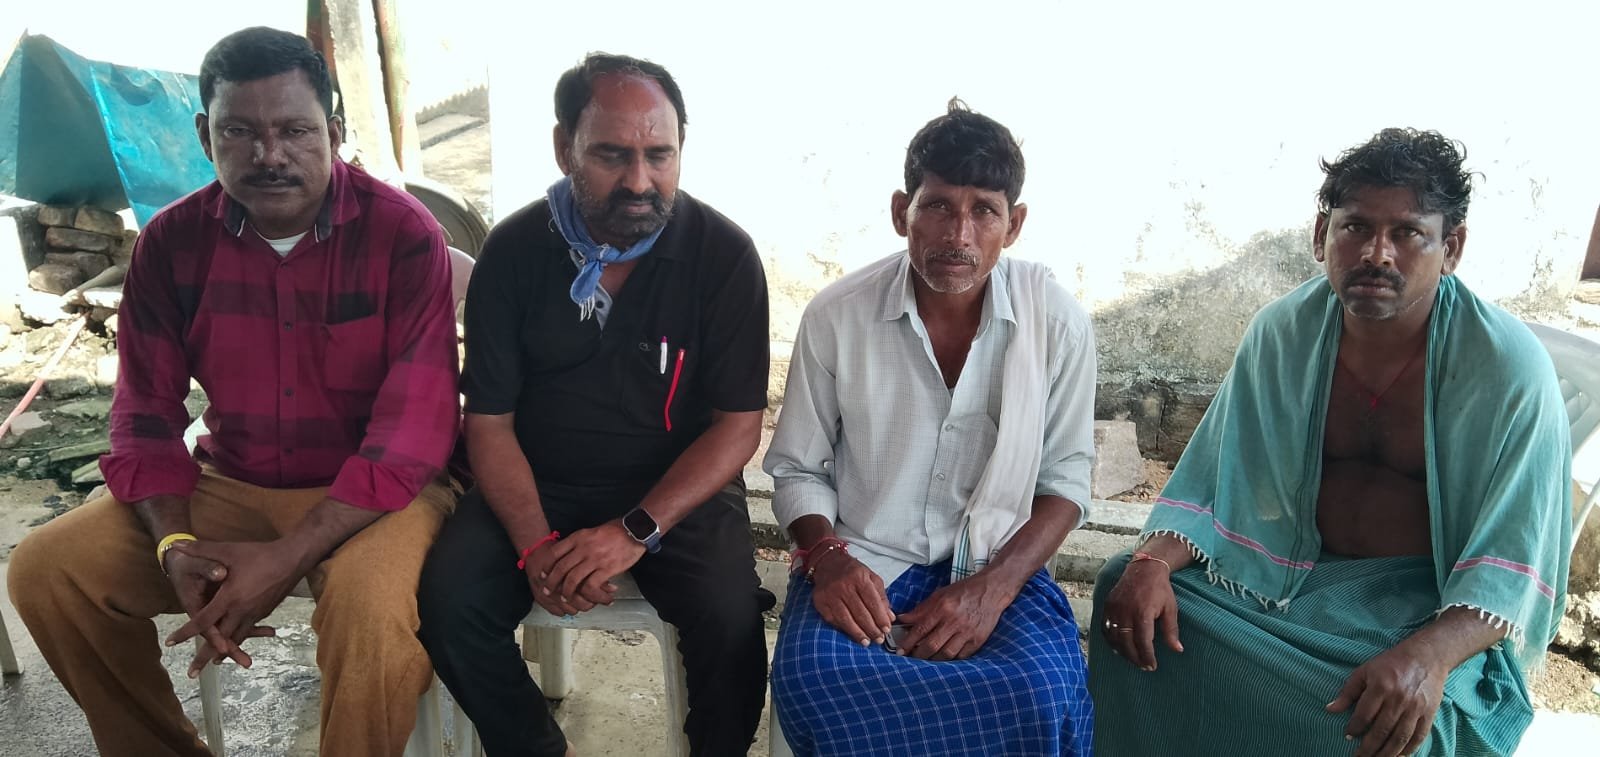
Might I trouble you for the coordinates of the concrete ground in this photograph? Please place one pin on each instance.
(616, 708)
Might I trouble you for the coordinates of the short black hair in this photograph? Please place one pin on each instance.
(969, 149)
(575, 88)
(1425, 162)
(260, 52)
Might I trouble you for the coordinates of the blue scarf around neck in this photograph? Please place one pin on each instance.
(596, 256)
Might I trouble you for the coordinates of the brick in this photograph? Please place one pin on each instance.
(98, 221)
(77, 239)
(1117, 517)
(104, 297)
(1118, 465)
(123, 252)
(91, 263)
(55, 278)
(50, 215)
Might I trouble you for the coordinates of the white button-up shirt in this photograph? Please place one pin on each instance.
(872, 439)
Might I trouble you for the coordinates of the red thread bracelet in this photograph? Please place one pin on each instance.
(822, 547)
(522, 562)
(1142, 556)
(798, 561)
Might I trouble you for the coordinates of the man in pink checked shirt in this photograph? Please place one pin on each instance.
(313, 304)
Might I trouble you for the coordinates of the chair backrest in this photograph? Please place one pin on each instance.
(460, 273)
(1577, 362)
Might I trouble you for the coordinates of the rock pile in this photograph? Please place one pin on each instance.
(81, 244)
(75, 258)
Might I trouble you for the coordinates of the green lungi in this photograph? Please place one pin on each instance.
(1254, 681)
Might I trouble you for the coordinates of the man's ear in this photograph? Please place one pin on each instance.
(563, 145)
(202, 129)
(1454, 242)
(335, 134)
(899, 204)
(1019, 213)
(1319, 236)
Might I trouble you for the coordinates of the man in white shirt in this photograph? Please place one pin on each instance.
(920, 618)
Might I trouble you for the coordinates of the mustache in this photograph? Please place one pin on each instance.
(273, 178)
(1368, 276)
(620, 197)
(952, 256)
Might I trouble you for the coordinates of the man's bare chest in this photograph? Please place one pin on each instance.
(1378, 427)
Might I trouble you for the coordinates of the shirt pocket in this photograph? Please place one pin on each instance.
(353, 354)
(654, 380)
(973, 437)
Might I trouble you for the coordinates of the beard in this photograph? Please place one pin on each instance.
(951, 282)
(606, 218)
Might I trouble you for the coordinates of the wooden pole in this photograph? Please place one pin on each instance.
(396, 86)
(347, 23)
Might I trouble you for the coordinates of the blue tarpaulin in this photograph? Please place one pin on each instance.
(75, 131)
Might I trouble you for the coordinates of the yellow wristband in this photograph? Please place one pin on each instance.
(166, 544)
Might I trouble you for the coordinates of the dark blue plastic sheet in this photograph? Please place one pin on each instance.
(75, 131)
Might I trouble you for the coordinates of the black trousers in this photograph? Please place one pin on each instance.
(472, 597)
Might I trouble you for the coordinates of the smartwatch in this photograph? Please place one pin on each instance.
(643, 529)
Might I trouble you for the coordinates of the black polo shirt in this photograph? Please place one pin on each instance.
(593, 406)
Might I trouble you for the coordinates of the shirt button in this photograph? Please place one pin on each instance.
(949, 426)
(288, 325)
(288, 392)
(939, 476)
(288, 450)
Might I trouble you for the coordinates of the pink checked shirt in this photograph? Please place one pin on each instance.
(332, 366)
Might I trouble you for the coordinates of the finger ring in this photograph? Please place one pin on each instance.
(1123, 630)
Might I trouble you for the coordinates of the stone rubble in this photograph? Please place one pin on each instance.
(65, 249)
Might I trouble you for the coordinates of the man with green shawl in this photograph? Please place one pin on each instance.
(1365, 543)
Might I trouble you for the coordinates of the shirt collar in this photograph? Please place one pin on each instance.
(901, 299)
(338, 205)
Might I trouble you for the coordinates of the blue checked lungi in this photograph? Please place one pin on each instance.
(1024, 693)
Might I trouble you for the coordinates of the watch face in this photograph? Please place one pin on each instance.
(639, 524)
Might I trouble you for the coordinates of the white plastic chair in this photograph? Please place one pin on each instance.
(461, 265)
(1577, 362)
(777, 746)
(552, 637)
(427, 738)
(8, 657)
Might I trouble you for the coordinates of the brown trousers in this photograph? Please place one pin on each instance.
(87, 585)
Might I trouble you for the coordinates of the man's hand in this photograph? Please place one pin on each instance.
(851, 597)
(954, 622)
(1395, 696)
(195, 580)
(577, 571)
(548, 596)
(1141, 601)
(258, 575)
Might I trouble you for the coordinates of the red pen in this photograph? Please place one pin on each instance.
(677, 371)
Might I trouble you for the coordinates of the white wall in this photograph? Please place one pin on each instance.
(1142, 123)
(173, 35)
(1159, 135)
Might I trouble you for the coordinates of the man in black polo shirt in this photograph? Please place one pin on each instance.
(615, 380)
